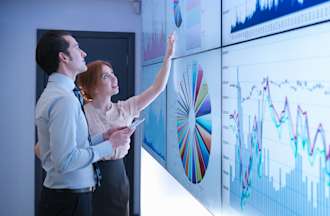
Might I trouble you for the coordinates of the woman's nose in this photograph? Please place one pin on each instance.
(113, 77)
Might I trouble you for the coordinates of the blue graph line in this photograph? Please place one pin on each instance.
(252, 190)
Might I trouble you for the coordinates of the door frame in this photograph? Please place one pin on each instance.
(132, 160)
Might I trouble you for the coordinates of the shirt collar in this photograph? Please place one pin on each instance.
(62, 80)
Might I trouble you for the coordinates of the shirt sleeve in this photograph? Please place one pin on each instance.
(90, 117)
(101, 147)
(129, 107)
(65, 153)
(102, 150)
(97, 139)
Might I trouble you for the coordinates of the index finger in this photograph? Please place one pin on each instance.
(127, 130)
(111, 131)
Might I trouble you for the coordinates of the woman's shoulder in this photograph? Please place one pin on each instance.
(127, 103)
(128, 107)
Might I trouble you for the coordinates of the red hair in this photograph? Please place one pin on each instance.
(88, 80)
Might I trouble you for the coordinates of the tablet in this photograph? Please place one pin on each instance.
(136, 123)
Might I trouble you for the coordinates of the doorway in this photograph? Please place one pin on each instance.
(119, 49)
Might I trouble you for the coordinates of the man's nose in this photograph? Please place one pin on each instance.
(83, 54)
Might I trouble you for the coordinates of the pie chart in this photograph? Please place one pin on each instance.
(193, 121)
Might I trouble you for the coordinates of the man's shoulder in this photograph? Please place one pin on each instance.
(52, 95)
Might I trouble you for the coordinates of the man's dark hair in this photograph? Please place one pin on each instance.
(48, 48)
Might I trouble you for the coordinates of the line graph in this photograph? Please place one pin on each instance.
(251, 175)
(299, 134)
(297, 85)
(154, 30)
(276, 147)
(154, 45)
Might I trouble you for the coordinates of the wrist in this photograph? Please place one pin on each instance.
(166, 58)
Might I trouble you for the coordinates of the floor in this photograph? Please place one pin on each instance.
(161, 193)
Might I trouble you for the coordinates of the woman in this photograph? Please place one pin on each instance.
(99, 84)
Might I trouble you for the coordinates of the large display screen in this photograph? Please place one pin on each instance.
(196, 24)
(154, 127)
(248, 101)
(276, 155)
(154, 30)
(194, 126)
(248, 19)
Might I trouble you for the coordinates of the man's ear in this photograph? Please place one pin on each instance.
(63, 57)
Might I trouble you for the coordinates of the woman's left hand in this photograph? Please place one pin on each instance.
(170, 46)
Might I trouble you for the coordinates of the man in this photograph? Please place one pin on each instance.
(67, 152)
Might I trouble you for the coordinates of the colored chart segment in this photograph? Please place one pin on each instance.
(177, 13)
(194, 126)
(276, 154)
(249, 19)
